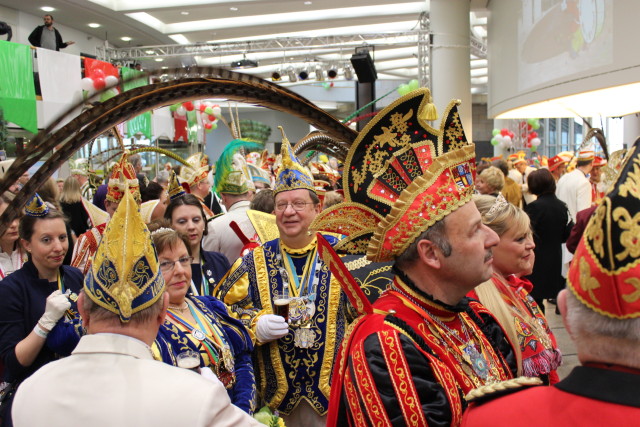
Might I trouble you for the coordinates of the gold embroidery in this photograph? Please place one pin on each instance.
(635, 295)
(630, 237)
(587, 282)
(632, 185)
(594, 232)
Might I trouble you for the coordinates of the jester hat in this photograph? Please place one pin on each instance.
(291, 175)
(123, 176)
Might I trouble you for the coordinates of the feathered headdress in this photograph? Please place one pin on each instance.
(232, 175)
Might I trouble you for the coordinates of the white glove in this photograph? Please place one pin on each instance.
(271, 327)
(208, 374)
(57, 304)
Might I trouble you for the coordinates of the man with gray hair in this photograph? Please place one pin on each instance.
(601, 311)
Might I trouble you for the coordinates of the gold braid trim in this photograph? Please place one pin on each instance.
(502, 386)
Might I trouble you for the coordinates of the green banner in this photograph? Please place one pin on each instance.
(17, 88)
(142, 122)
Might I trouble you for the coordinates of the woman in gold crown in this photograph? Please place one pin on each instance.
(201, 324)
(506, 295)
(35, 299)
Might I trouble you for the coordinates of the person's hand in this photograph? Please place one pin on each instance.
(70, 43)
(271, 327)
(57, 304)
(208, 374)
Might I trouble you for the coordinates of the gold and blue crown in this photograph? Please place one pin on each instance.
(125, 276)
(36, 207)
(175, 188)
(291, 175)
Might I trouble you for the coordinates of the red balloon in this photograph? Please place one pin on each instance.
(97, 72)
(504, 132)
(207, 125)
(188, 106)
(511, 134)
(533, 134)
(99, 83)
(529, 127)
(202, 108)
(212, 117)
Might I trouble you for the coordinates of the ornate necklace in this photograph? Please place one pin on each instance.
(178, 308)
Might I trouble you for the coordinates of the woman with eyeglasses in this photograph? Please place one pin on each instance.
(201, 324)
(185, 214)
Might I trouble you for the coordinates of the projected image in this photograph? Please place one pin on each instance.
(559, 38)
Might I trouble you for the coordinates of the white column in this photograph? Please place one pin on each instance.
(631, 129)
(450, 56)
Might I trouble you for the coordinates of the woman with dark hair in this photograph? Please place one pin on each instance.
(71, 204)
(185, 214)
(35, 298)
(200, 326)
(551, 226)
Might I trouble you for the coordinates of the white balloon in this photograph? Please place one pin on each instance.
(535, 142)
(507, 139)
(500, 139)
(217, 111)
(181, 111)
(87, 84)
(111, 81)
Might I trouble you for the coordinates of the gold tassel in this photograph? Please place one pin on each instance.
(429, 111)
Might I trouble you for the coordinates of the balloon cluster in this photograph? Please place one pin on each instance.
(529, 128)
(327, 85)
(502, 138)
(404, 89)
(209, 112)
(98, 81)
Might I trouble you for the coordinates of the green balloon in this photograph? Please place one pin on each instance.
(214, 126)
(536, 124)
(413, 85)
(208, 110)
(495, 132)
(403, 89)
(173, 107)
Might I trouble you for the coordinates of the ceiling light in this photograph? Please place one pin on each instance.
(332, 73)
(292, 75)
(149, 52)
(164, 67)
(233, 9)
(303, 75)
(308, 2)
(125, 39)
(159, 59)
(244, 63)
(94, 25)
(319, 73)
(348, 72)
(184, 12)
(276, 76)
(48, 8)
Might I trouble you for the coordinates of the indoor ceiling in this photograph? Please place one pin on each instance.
(291, 32)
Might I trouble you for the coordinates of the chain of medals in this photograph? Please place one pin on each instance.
(524, 312)
(205, 281)
(302, 294)
(474, 361)
(212, 340)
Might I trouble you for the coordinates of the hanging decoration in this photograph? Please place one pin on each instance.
(525, 136)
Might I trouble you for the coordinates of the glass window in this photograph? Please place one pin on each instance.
(564, 135)
(577, 132)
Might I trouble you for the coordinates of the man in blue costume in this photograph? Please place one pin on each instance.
(294, 358)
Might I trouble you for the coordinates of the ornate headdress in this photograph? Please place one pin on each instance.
(123, 177)
(36, 207)
(79, 166)
(605, 272)
(125, 277)
(555, 162)
(232, 173)
(197, 170)
(259, 174)
(175, 188)
(400, 177)
(291, 175)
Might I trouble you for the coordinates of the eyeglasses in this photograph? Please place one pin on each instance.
(167, 266)
(298, 205)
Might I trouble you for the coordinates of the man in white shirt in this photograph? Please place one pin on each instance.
(574, 188)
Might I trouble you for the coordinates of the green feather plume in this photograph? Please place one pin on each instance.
(224, 165)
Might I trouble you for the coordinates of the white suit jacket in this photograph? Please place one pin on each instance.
(112, 380)
(221, 238)
(574, 189)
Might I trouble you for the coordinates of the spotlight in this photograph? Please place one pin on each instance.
(244, 63)
(348, 72)
(276, 76)
(292, 75)
(319, 73)
(303, 75)
(332, 73)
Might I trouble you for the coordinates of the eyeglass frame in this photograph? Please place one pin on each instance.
(281, 207)
(172, 264)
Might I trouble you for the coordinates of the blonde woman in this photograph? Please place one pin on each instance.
(506, 294)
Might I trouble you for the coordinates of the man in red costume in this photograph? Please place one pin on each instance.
(424, 345)
(601, 310)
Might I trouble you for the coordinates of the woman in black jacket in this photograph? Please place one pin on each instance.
(551, 226)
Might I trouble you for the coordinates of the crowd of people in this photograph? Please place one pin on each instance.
(260, 279)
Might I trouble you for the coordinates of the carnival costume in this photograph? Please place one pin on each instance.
(223, 342)
(197, 170)
(412, 358)
(297, 366)
(122, 176)
(23, 296)
(604, 278)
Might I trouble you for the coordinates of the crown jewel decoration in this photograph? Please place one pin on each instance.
(291, 175)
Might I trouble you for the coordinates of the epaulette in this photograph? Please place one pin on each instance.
(493, 391)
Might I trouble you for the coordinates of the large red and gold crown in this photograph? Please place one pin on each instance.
(605, 271)
(123, 177)
(400, 177)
